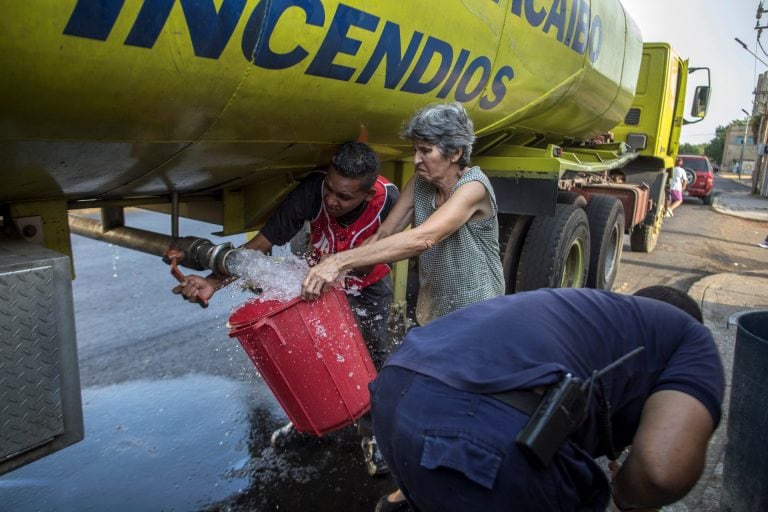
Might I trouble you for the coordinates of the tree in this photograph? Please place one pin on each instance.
(715, 147)
(691, 149)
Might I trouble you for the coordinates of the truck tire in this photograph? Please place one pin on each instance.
(708, 199)
(606, 232)
(643, 238)
(512, 230)
(556, 251)
(568, 197)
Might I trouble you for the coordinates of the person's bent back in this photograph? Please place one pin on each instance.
(450, 440)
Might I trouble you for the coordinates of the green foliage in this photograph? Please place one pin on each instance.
(714, 148)
(691, 149)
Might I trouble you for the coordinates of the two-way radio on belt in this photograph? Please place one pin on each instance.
(562, 410)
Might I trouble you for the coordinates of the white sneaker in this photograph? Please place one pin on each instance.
(286, 436)
(374, 462)
(763, 244)
(668, 213)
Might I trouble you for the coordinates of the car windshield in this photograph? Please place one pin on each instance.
(697, 164)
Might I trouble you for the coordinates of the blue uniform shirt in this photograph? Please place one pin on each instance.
(530, 339)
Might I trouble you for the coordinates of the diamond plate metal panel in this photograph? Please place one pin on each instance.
(40, 404)
(30, 390)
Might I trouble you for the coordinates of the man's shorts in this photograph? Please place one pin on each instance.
(452, 450)
(676, 195)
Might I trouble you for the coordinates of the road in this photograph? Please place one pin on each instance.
(696, 242)
(178, 419)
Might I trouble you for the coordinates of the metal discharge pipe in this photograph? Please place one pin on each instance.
(131, 238)
(196, 253)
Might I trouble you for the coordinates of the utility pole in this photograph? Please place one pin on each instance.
(743, 141)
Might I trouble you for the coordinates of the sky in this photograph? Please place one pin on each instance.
(703, 31)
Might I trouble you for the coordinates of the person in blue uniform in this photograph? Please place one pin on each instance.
(448, 430)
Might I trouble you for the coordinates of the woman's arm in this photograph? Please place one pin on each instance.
(400, 216)
(446, 220)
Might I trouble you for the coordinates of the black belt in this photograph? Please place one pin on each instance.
(523, 400)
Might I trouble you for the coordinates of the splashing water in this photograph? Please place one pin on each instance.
(277, 277)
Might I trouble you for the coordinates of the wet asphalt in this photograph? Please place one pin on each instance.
(176, 416)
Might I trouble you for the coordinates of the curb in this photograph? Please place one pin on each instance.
(720, 296)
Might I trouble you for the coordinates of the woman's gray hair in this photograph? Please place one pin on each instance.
(445, 125)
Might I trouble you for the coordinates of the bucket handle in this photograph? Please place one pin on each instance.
(264, 322)
(269, 323)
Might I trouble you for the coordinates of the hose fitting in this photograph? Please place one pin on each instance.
(201, 254)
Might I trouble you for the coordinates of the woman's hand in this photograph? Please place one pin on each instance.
(320, 277)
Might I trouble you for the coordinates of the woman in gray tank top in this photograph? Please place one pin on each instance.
(452, 209)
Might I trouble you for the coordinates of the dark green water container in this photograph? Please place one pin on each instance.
(745, 467)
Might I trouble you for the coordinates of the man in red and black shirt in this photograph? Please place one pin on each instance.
(345, 206)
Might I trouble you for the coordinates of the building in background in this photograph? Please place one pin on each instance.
(760, 178)
(732, 150)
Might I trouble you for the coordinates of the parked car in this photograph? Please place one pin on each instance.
(701, 177)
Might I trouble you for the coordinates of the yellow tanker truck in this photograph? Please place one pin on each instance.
(214, 110)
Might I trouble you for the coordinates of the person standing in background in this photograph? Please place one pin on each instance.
(677, 184)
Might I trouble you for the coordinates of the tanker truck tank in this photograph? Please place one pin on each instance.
(115, 99)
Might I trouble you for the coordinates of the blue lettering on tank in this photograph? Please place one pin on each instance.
(595, 38)
(571, 22)
(337, 41)
(556, 19)
(397, 63)
(581, 34)
(150, 21)
(93, 19)
(483, 63)
(498, 87)
(577, 34)
(533, 16)
(460, 62)
(258, 31)
(433, 47)
(211, 30)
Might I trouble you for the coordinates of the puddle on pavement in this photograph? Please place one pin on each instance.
(149, 445)
(195, 443)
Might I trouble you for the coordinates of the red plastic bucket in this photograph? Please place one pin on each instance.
(311, 355)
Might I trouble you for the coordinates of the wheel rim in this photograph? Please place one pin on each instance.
(573, 269)
(612, 252)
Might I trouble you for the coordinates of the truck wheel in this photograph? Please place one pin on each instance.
(556, 251)
(568, 197)
(643, 238)
(606, 232)
(512, 230)
(708, 199)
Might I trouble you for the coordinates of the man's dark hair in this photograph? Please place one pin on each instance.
(672, 296)
(357, 161)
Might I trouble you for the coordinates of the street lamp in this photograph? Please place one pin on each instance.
(744, 45)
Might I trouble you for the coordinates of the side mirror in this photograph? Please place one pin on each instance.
(700, 101)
